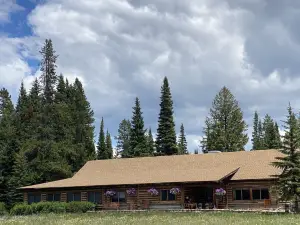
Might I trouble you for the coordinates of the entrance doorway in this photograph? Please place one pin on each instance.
(203, 196)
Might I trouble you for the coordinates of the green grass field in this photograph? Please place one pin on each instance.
(217, 218)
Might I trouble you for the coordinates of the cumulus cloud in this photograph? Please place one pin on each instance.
(122, 49)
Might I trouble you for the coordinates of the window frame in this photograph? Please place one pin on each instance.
(53, 197)
(94, 194)
(260, 194)
(251, 193)
(34, 197)
(118, 197)
(73, 196)
(168, 195)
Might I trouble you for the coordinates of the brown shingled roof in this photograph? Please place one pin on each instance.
(245, 165)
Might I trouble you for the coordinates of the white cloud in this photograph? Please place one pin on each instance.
(13, 67)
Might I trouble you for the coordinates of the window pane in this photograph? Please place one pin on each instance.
(256, 194)
(49, 197)
(265, 193)
(122, 197)
(57, 197)
(114, 198)
(246, 194)
(91, 197)
(30, 198)
(70, 197)
(237, 194)
(171, 197)
(164, 194)
(98, 198)
(77, 196)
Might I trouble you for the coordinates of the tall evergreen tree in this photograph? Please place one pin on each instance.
(289, 180)
(137, 139)
(20, 177)
(49, 76)
(182, 144)
(277, 141)
(150, 142)
(260, 135)
(207, 141)
(83, 119)
(102, 151)
(271, 136)
(255, 135)
(7, 142)
(108, 144)
(227, 128)
(122, 138)
(166, 135)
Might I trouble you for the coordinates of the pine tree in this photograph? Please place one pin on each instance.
(255, 135)
(271, 136)
(137, 139)
(108, 145)
(122, 138)
(8, 142)
(207, 141)
(277, 141)
(196, 151)
(20, 177)
(83, 119)
(150, 142)
(182, 144)
(227, 128)
(260, 135)
(166, 135)
(289, 179)
(102, 151)
(48, 77)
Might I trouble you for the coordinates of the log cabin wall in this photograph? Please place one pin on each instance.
(249, 185)
(25, 197)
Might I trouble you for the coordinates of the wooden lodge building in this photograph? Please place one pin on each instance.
(146, 183)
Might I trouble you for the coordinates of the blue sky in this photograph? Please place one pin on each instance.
(122, 49)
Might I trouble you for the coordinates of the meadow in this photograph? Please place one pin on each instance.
(153, 218)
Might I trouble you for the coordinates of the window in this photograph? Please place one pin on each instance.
(33, 198)
(257, 194)
(165, 195)
(74, 196)
(242, 194)
(260, 194)
(119, 197)
(94, 197)
(53, 197)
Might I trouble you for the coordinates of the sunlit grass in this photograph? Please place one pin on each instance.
(211, 218)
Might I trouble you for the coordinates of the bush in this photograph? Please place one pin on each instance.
(51, 207)
(21, 209)
(80, 207)
(3, 210)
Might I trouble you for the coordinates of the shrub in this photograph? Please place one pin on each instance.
(21, 209)
(51, 207)
(80, 207)
(2, 209)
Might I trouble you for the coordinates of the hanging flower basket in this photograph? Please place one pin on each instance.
(131, 191)
(109, 193)
(175, 191)
(153, 192)
(220, 192)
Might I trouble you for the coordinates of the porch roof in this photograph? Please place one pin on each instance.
(243, 165)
